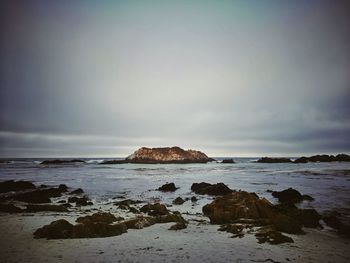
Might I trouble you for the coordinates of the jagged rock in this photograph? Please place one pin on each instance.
(324, 158)
(9, 186)
(57, 161)
(169, 187)
(274, 160)
(167, 155)
(155, 209)
(43, 208)
(290, 195)
(210, 189)
(101, 217)
(10, 208)
(228, 161)
(77, 192)
(178, 201)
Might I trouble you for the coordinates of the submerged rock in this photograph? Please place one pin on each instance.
(167, 155)
(57, 161)
(77, 192)
(290, 195)
(169, 187)
(9, 186)
(114, 162)
(210, 189)
(228, 161)
(274, 160)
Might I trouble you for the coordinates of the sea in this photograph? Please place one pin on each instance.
(327, 183)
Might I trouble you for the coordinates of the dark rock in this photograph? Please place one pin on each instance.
(155, 209)
(140, 222)
(62, 161)
(169, 187)
(80, 201)
(194, 199)
(324, 158)
(8, 186)
(178, 226)
(167, 155)
(128, 202)
(241, 204)
(133, 210)
(114, 162)
(228, 161)
(290, 195)
(210, 189)
(178, 201)
(77, 192)
(42, 208)
(332, 220)
(100, 217)
(270, 235)
(274, 160)
(39, 195)
(10, 208)
(55, 230)
(98, 229)
(62, 202)
(235, 229)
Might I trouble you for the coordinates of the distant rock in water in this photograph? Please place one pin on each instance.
(169, 187)
(228, 161)
(274, 160)
(167, 155)
(291, 195)
(57, 161)
(324, 158)
(210, 189)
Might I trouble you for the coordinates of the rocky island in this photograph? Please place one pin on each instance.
(164, 155)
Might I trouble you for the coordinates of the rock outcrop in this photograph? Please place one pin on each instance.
(324, 158)
(13, 186)
(167, 155)
(210, 189)
(291, 195)
(228, 161)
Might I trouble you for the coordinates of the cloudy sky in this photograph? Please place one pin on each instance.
(230, 78)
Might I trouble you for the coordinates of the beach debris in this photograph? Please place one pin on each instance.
(168, 187)
(210, 189)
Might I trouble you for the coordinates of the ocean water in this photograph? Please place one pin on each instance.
(328, 183)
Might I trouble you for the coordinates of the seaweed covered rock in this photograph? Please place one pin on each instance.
(9, 186)
(210, 189)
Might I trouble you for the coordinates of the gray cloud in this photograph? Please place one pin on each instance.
(229, 78)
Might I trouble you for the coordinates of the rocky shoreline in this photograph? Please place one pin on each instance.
(237, 212)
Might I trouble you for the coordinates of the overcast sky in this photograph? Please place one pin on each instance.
(230, 78)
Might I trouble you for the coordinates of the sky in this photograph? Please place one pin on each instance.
(229, 78)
